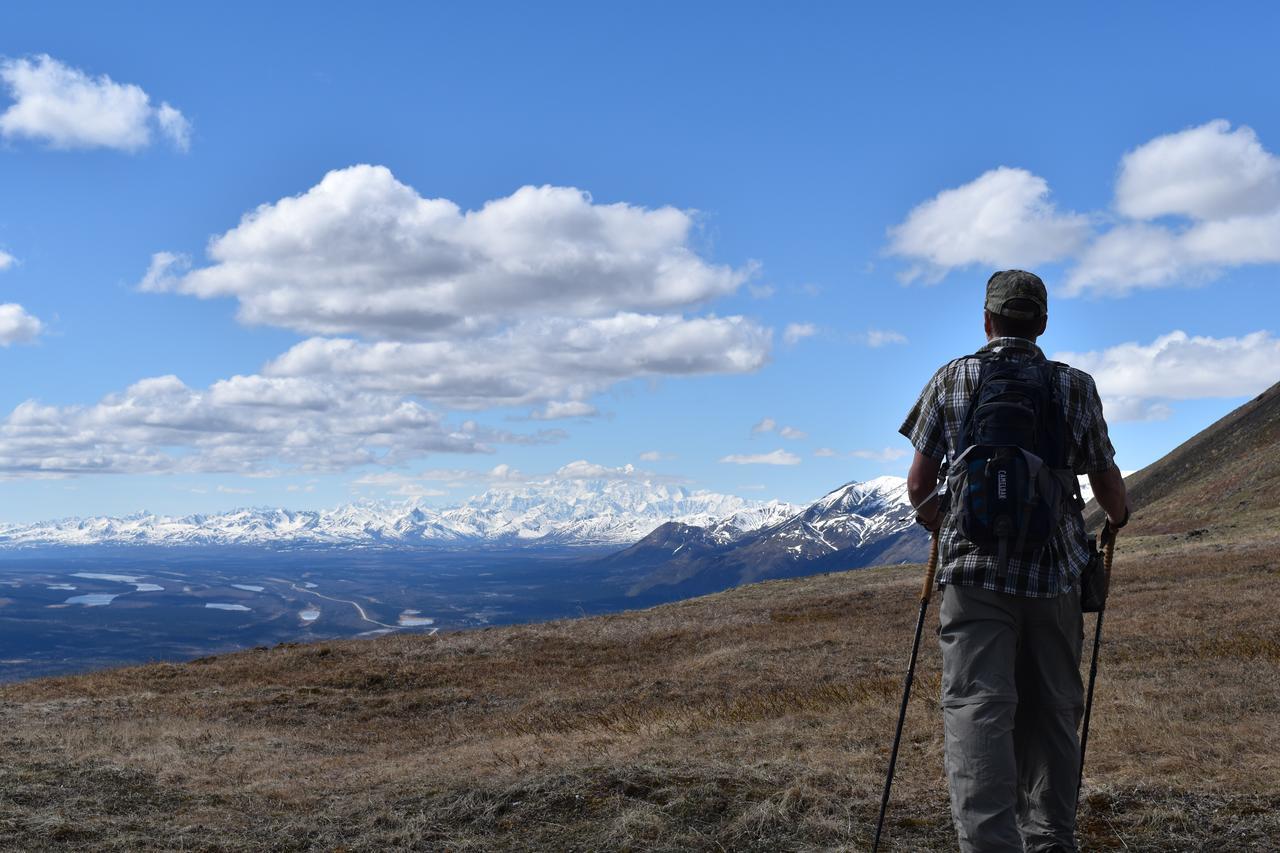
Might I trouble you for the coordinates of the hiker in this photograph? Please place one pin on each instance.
(1011, 629)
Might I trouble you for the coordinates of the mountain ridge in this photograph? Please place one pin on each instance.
(551, 512)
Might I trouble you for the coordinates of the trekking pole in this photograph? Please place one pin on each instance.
(925, 594)
(1109, 553)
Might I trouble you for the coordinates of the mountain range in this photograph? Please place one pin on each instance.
(858, 524)
(554, 512)
(669, 535)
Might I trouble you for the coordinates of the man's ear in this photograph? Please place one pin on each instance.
(986, 324)
(1043, 325)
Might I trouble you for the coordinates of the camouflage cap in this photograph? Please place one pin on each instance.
(1006, 286)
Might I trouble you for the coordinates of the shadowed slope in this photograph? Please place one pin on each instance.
(1227, 474)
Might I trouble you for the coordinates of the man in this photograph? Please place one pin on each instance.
(1011, 629)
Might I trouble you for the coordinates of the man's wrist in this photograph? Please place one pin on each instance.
(1114, 525)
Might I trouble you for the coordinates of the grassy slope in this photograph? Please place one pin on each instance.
(1227, 475)
(758, 718)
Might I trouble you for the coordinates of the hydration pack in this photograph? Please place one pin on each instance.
(1008, 487)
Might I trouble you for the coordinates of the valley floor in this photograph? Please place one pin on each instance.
(755, 719)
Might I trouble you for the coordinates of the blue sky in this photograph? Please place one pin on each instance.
(741, 219)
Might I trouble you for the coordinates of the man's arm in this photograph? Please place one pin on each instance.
(921, 480)
(1109, 492)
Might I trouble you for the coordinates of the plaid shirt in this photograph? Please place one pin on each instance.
(933, 427)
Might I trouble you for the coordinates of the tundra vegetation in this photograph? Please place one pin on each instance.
(753, 719)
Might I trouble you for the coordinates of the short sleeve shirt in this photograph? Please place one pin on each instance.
(933, 426)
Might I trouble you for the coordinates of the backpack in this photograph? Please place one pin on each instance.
(1008, 486)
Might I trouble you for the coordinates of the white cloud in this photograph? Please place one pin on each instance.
(565, 409)
(174, 125)
(884, 456)
(1003, 218)
(67, 108)
(764, 425)
(655, 456)
(776, 457)
(796, 332)
(232, 490)
(160, 275)
(404, 485)
(535, 361)
(1220, 187)
(250, 425)
(361, 253)
(760, 291)
(543, 298)
(887, 454)
(1135, 379)
(793, 433)
(540, 298)
(17, 326)
(1208, 172)
(876, 338)
(581, 469)
(6, 260)
(1188, 206)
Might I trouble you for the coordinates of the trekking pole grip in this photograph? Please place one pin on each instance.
(931, 570)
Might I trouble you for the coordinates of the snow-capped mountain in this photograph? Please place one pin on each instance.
(858, 524)
(553, 512)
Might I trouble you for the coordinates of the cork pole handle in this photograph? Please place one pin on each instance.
(1110, 551)
(932, 569)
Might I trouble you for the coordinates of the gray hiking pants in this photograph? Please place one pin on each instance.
(1011, 701)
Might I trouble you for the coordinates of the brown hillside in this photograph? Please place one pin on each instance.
(754, 719)
(1228, 475)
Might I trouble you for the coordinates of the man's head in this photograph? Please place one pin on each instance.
(1017, 305)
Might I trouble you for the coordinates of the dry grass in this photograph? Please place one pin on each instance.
(756, 719)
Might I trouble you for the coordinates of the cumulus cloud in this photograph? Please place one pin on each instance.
(543, 299)
(1210, 172)
(1188, 206)
(885, 455)
(795, 332)
(403, 485)
(534, 361)
(764, 425)
(581, 469)
(67, 108)
(6, 260)
(1136, 380)
(1001, 219)
(565, 409)
(361, 253)
(655, 456)
(1216, 192)
(246, 425)
(768, 425)
(776, 457)
(17, 326)
(876, 338)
